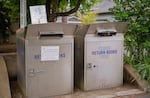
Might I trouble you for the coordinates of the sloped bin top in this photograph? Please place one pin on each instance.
(34, 31)
(120, 27)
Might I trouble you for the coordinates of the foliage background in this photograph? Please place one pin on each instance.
(64, 6)
(137, 39)
(4, 21)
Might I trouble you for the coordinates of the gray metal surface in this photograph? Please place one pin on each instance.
(41, 75)
(99, 60)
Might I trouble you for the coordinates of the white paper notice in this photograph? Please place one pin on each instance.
(38, 14)
(49, 53)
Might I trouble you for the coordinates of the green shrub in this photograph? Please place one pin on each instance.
(4, 21)
(137, 39)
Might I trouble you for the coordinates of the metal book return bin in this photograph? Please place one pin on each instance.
(99, 55)
(46, 59)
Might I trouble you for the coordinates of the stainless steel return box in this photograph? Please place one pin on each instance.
(45, 59)
(99, 56)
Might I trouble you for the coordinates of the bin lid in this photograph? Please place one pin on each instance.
(120, 27)
(33, 31)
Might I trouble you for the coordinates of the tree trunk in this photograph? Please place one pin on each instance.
(48, 2)
(52, 10)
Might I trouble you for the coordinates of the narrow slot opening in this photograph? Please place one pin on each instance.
(106, 32)
(51, 34)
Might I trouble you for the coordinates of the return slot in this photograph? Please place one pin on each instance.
(51, 34)
(106, 32)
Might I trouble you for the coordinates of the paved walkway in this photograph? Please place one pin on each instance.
(4, 81)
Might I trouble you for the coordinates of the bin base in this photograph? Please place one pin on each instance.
(125, 91)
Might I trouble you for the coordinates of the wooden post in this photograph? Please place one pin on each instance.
(4, 81)
(133, 73)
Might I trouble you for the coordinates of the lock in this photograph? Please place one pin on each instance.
(31, 72)
(89, 65)
(40, 71)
